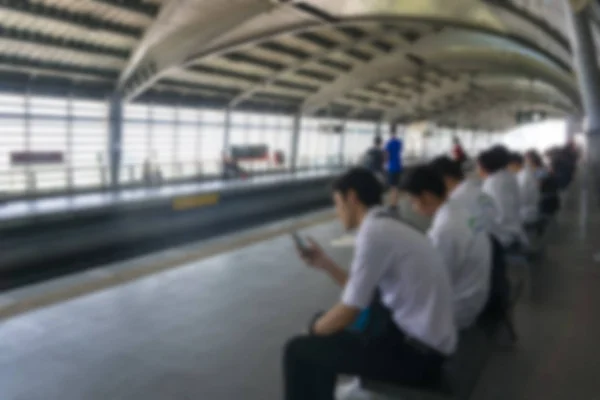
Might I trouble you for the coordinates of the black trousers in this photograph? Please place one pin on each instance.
(312, 363)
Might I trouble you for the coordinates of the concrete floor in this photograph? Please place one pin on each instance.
(214, 330)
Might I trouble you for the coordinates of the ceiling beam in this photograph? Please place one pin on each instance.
(18, 62)
(83, 20)
(203, 25)
(455, 49)
(149, 9)
(340, 47)
(42, 39)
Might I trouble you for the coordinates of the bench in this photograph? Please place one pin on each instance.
(459, 377)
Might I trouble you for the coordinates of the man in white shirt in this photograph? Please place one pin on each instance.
(467, 193)
(528, 188)
(503, 188)
(459, 238)
(394, 263)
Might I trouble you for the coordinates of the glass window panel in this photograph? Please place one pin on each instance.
(188, 114)
(89, 108)
(237, 136)
(256, 120)
(89, 177)
(135, 111)
(213, 116)
(12, 181)
(163, 144)
(162, 113)
(211, 148)
(48, 179)
(48, 106)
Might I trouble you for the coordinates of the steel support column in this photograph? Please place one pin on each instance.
(584, 51)
(295, 142)
(378, 128)
(227, 130)
(586, 61)
(115, 139)
(341, 156)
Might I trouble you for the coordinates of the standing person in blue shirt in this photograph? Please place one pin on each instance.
(393, 151)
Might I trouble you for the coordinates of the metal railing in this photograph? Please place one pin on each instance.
(32, 182)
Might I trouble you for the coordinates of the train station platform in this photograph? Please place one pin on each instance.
(82, 231)
(212, 325)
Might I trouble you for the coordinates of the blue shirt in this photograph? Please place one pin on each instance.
(394, 150)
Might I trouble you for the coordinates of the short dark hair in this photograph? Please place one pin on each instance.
(447, 167)
(364, 183)
(494, 159)
(377, 141)
(423, 179)
(516, 158)
(502, 154)
(535, 158)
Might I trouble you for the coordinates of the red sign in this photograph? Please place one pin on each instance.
(36, 157)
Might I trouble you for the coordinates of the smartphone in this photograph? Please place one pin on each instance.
(300, 243)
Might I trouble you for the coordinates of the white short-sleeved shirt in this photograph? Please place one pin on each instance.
(480, 206)
(414, 285)
(503, 188)
(467, 253)
(530, 194)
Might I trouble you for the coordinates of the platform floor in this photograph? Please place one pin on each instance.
(214, 329)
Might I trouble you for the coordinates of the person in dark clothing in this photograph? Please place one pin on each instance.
(375, 158)
(458, 152)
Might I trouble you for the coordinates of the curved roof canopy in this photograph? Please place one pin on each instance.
(465, 62)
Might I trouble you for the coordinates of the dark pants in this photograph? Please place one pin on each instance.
(312, 363)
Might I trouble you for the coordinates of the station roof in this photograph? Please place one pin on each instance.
(462, 62)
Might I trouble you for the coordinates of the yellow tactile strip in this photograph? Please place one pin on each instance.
(25, 300)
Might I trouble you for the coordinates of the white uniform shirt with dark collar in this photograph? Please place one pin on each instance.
(414, 285)
(530, 194)
(467, 253)
(503, 188)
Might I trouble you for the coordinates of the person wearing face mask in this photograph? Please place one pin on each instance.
(460, 239)
(395, 267)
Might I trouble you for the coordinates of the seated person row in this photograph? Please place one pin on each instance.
(529, 188)
(549, 187)
(466, 193)
(459, 236)
(503, 188)
(395, 269)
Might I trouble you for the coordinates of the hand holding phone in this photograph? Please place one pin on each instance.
(310, 251)
(301, 245)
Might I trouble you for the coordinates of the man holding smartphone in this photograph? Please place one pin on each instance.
(396, 269)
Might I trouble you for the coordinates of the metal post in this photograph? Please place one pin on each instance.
(378, 128)
(227, 132)
(70, 155)
(585, 54)
(341, 154)
(295, 142)
(115, 138)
